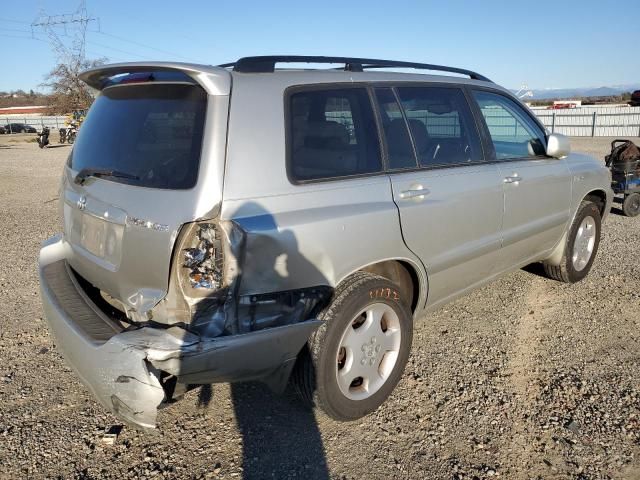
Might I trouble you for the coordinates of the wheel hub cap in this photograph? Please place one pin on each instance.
(584, 243)
(368, 351)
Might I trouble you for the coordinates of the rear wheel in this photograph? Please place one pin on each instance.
(631, 205)
(581, 247)
(356, 358)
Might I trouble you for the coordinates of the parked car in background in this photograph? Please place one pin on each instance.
(2, 130)
(261, 224)
(19, 128)
(635, 99)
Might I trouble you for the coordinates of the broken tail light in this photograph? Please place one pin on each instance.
(204, 276)
(202, 258)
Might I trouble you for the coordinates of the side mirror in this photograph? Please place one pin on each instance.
(558, 146)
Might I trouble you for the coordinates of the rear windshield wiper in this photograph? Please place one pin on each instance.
(101, 172)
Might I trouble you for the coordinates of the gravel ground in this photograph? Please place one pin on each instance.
(526, 378)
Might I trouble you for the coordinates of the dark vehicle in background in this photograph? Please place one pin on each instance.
(2, 130)
(19, 128)
(635, 99)
(43, 137)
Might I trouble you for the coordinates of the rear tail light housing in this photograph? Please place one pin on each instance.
(199, 261)
(204, 276)
(202, 258)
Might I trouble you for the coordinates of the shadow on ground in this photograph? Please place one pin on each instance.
(280, 435)
(58, 146)
(616, 210)
(535, 269)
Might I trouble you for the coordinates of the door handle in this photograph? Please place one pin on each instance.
(418, 193)
(515, 178)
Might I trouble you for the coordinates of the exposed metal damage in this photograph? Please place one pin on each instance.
(201, 332)
(203, 290)
(205, 259)
(146, 369)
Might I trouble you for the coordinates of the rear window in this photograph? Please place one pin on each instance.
(332, 134)
(150, 131)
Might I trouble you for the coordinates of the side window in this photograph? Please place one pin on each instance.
(441, 125)
(399, 147)
(513, 133)
(332, 133)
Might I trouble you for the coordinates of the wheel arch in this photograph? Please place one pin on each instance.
(597, 196)
(405, 273)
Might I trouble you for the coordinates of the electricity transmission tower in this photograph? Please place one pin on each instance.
(71, 50)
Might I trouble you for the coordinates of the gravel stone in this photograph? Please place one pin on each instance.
(526, 378)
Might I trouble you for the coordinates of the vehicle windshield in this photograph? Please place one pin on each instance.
(151, 132)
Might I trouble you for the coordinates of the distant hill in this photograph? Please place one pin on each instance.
(20, 98)
(565, 93)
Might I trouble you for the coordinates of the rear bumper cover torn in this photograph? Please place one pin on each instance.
(125, 369)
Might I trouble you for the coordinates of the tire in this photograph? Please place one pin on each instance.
(574, 265)
(326, 359)
(631, 205)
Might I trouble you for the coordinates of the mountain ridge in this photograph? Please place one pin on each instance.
(566, 93)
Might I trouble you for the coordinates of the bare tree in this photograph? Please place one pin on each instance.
(68, 92)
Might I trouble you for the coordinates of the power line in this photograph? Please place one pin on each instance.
(110, 58)
(24, 38)
(13, 21)
(133, 42)
(30, 36)
(114, 49)
(15, 30)
(80, 18)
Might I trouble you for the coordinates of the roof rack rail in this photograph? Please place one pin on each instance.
(267, 64)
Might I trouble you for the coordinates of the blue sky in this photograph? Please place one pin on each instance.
(547, 44)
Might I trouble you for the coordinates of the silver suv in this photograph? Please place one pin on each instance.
(243, 222)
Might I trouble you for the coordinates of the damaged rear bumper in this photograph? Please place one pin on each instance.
(125, 370)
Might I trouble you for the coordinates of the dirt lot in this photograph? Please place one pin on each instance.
(525, 378)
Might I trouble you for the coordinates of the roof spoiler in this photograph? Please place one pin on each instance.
(215, 80)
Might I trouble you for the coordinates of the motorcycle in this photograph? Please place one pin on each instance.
(43, 137)
(63, 134)
(72, 131)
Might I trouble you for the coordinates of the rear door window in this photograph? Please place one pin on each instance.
(149, 131)
(441, 125)
(332, 134)
(513, 133)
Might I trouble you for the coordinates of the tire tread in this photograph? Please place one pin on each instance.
(561, 272)
(304, 377)
(304, 373)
